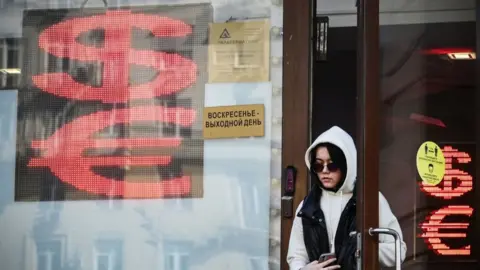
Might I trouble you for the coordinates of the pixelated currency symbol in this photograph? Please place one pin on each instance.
(64, 153)
(117, 56)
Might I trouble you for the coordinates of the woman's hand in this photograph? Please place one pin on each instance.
(315, 265)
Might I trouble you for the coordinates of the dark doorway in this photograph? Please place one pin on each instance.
(334, 83)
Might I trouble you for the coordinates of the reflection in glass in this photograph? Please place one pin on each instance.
(41, 205)
(108, 255)
(429, 94)
(49, 254)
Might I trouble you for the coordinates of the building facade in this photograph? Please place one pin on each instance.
(158, 134)
(118, 90)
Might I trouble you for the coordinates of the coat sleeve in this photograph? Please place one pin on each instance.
(297, 256)
(386, 242)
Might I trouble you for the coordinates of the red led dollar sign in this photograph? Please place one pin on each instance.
(434, 229)
(63, 152)
(116, 55)
(464, 179)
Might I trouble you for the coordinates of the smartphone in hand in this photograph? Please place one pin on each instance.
(326, 257)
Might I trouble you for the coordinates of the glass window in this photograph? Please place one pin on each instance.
(177, 255)
(108, 255)
(177, 261)
(49, 255)
(153, 122)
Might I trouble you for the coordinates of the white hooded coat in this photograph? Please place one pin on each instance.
(333, 203)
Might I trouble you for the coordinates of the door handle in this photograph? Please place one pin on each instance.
(396, 236)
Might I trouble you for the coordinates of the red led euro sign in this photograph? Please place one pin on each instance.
(434, 230)
(64, 152)
(116, 56)
(445, 189)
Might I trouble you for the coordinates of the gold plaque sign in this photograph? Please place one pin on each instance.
(234, 121)
(239, 52)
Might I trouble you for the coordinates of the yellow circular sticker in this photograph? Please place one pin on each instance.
(430, 163)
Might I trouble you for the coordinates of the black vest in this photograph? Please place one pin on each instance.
(315, 233)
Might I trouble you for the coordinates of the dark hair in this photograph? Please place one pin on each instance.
(336, 155)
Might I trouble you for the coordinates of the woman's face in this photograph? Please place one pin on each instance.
(329, 178)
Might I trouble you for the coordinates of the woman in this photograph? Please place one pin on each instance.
(327, 215)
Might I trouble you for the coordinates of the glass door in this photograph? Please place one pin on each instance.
(419, 120)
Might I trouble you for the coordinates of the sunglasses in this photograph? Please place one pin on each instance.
(319, 167)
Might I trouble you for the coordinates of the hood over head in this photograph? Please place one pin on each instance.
(344, 141)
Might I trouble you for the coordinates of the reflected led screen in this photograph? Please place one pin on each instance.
(111, 105)
(448, 229)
